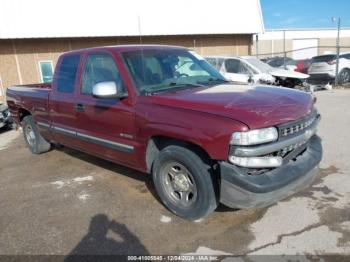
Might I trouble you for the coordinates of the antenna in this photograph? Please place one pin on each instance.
(142, 58)
(139, 24)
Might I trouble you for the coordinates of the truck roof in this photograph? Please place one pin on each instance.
(124, 48)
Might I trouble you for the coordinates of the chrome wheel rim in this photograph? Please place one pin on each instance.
(179, 184)
(30, 135)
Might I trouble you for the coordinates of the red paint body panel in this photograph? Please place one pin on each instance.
(203, 116)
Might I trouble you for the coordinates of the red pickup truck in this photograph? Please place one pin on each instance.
(164, 110)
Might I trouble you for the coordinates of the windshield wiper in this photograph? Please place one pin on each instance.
(176, 86)
(213, 80)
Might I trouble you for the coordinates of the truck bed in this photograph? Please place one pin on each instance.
(33, 98)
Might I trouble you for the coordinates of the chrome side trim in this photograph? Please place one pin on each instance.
(64, 131)
(275, 146)
(126, 136)
(107, 143)
(93, 139)
(43, 125)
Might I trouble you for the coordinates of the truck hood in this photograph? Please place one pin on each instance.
(255, 106)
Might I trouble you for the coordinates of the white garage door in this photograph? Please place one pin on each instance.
(305, 43)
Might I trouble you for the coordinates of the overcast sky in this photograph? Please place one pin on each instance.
(304, 13)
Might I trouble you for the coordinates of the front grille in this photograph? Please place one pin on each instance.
(285, 151)
(298, 126)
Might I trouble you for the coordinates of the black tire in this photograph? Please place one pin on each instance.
(199, 175)
(344, 76)
(36, 143)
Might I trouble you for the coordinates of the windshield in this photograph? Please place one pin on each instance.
(263, 67)
(323, 58)
(162, 70)
(291, 62)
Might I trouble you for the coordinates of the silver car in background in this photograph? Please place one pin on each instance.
(323, 67)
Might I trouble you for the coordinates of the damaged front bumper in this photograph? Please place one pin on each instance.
(239, 190)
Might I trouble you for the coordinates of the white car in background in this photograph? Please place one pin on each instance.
(249, 69)
(323, 67)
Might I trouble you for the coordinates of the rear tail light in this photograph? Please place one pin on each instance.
(332, 62)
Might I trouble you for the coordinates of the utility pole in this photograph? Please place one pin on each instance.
(284, 49)
(257, 46)
(337, 62)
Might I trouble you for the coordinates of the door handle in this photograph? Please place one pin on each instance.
(79, 108)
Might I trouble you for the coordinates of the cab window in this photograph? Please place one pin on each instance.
(100, 68)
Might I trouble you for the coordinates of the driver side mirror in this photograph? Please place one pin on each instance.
(107, 90)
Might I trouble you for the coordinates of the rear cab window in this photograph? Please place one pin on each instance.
(67, 73)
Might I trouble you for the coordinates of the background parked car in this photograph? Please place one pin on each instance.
(290, 65)
(278, 61)
(238, 70)
(5, 116)
(303, 65)
(322, 69)
(249, 69)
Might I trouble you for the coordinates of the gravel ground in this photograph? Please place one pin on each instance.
(65, 202)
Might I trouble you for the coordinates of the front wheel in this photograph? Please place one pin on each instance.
(184, 182)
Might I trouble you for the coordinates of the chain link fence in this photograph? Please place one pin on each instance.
(290, 58)
(320, 50)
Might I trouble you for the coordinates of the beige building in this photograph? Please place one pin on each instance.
(300, 43)
(31, 42)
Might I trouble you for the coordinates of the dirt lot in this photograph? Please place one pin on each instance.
(66, 202)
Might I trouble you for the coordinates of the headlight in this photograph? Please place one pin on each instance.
(254, 137)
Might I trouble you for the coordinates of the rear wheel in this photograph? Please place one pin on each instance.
(36, 143)
(184, 182)
(344, 76)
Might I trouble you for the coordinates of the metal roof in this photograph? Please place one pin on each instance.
(99, 18)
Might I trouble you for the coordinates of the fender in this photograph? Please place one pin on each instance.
(188, 126)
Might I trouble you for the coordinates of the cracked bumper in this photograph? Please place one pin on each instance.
(239, 190)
